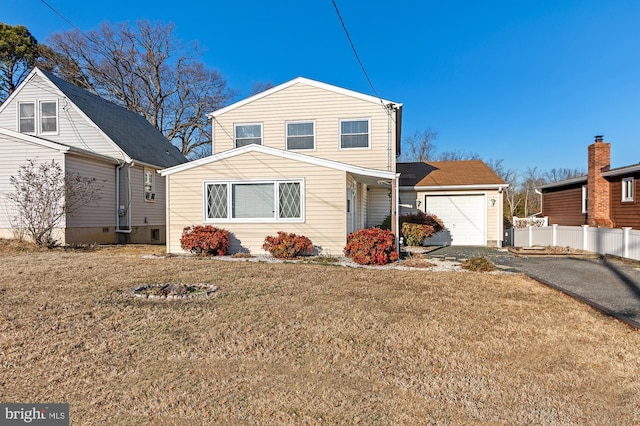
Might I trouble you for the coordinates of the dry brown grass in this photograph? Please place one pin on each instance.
(305, 344)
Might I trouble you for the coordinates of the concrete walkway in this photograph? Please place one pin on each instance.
(609, 285)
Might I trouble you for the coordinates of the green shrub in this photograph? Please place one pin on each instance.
(478, 264)
(205, 240)
(386, 223)
(371, 246)
(287, 246)
(418, 226)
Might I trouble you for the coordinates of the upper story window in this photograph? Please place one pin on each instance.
(46, 116)
(354, 133)
(300, 135)
(249, 201)
(627, 189)
(585, 195)
(149, 184)
(248, 133)
(27, 117)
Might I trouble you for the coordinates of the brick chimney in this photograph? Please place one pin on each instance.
(598, 197)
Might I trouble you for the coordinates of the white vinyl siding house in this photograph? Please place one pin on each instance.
(47, 118)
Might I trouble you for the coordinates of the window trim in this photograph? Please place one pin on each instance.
(41, 117)
(151, 198)
(34, 118)
(585, 199)
(342, 120)
(235, 132)
(276, 197)
(286, 134)
(626, 185)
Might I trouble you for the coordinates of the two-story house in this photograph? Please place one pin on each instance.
(302, 157)
(48, 119)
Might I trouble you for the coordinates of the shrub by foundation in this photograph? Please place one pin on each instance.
(371, 246)
(205, 240)
(287, 246)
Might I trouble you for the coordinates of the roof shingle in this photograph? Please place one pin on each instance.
(447, 173)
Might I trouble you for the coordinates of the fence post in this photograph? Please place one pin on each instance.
(554, 234)
(625, 242)
(530, 228)
(585, 239)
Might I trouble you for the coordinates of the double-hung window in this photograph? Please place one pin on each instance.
(254, 201)
(41, 120)
(354, 133)
(627, 189)
(48, 117)
(300, 135)
(248, 133)
(27, 117)
(149, 184)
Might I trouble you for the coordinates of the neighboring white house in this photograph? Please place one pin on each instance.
(47, 119)
(465, 195)
(303, 157)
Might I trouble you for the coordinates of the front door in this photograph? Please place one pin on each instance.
(351, 209)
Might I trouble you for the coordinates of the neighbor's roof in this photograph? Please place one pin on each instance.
(438, 174)
(138, 139)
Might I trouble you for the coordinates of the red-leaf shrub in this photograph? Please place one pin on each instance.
(287, 246)
(418, 226)
(371, 246)
(205, 240)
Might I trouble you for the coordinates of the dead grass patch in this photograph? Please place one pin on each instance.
(305, 344)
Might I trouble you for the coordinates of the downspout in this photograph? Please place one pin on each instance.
(118, 170)
(396, 217)
(389, 107)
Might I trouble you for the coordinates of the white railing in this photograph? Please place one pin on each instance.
(523, 222)
(623, 242)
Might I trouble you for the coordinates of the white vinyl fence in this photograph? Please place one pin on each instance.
(623, 242)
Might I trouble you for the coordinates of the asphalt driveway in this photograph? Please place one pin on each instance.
(610, 285)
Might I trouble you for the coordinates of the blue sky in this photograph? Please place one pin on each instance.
(527, 82)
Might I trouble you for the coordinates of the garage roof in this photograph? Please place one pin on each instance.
(447, 173)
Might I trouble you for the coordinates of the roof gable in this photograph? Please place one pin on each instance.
(129, 131)
(309, 82)
(283, 154)
(447, 174)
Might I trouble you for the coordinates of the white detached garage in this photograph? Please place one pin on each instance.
(465, 195)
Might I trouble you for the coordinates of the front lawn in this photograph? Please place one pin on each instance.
(304, 344)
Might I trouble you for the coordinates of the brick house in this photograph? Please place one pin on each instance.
(604, 198)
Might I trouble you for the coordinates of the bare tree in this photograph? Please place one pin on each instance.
(419, 146)
(44, 194)
(457, 156)
(147, 70)
(557, 175)
(259, 87)
(512, 196)
(532, 179)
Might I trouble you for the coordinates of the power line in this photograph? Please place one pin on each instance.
(62, 17)
(353, 47)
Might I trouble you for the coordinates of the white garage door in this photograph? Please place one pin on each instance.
(464, 218)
